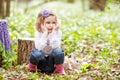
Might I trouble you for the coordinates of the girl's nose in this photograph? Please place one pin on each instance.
(51, 24)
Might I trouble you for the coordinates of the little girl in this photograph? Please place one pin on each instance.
(47, 56)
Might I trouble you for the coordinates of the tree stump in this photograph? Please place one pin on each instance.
(25, 46)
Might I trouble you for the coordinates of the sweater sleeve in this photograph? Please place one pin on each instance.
(55, 40)
(40, 40)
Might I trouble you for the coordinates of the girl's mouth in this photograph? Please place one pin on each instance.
(49, 29)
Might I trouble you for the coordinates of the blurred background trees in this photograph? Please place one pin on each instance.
(4, 8)
(5, 5)
(97, 4)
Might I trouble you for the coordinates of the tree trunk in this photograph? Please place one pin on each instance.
(2, 9)
(25, 46)
(83, 5)
(97, 4)
(45, 1)
(7, 8)
(70, 1)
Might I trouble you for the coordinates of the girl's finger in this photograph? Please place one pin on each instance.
(42, 27)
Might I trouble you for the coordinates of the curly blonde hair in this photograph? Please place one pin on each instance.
(40, 19)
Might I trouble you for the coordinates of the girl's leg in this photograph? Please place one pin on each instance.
(58, 57)
(47, 66)
(34, 58)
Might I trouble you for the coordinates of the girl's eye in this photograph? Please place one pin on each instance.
(54, 22)
(48, 22)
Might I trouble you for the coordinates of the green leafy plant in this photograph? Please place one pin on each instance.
(85, 67)
(8, 57)
(1, 77)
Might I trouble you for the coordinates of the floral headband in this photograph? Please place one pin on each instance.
(45, 13)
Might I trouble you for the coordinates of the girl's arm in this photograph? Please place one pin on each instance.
(55, 40)
(40, 40)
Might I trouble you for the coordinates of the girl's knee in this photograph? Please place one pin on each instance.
(35, 56)
(58, 51)
(35, 53)
(58, 55)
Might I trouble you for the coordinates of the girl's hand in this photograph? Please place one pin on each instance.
(56, 27)
(44, 29)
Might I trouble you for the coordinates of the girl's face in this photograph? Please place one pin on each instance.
(49, 23)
